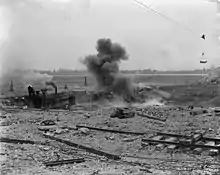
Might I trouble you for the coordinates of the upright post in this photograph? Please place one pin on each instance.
(11, 86)
(85, 81)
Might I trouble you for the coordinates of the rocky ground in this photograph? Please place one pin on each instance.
(135, 158)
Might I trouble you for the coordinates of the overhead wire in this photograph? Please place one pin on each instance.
(169, 19)
(203, 36)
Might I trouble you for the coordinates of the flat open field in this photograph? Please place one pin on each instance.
(157, 79)
(184, 88)
(75, 81)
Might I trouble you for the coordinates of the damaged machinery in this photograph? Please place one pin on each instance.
(41, 99)
(122, 113)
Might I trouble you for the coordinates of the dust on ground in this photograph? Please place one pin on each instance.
(136, 159)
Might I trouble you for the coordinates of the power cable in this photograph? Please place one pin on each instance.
(169, 19)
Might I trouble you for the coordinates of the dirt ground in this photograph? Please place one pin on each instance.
(136, 158)
(27, 159)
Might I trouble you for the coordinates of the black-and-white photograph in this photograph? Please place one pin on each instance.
(109, 87)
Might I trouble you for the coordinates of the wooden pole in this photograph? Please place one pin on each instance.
(90, 103)
(11, 86)
(85, 81)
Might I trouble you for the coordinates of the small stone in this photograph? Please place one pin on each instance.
(110, 137)
(59, 131)
(49, 134)
(84, 130)
(46, 148)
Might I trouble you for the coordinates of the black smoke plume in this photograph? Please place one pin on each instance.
(104, 66)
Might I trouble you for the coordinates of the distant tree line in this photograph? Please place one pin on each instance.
(62, 72)
(144, 71)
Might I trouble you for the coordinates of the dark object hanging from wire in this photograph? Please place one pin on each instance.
(169, 19)
(203, 61)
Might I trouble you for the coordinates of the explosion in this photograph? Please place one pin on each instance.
(104, 66)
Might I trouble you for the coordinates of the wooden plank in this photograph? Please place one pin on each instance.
(211, 139)
(161, 146)
(111, 130)
(211, 143)
(170, 148)
(197, 137)
(153, 138)
(180, 144)
(172, 135)
(17, 141)
(212, 152)
(156, 138)
(88, 149)
(151, 117)
(186, 141)
(198, 151)
(61, 162)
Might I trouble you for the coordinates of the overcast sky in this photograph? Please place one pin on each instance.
(47, 34)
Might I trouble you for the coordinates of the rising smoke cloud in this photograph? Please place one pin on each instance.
(104, 66)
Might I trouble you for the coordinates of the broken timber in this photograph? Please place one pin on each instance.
(150, 117)
(211, 139)
(110, 130)
(17, 141)
(172, 135)
(61, 162)
(182, 144)
(88, 149)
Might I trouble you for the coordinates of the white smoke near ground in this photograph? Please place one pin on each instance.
(153, 102)
(35, 78)
(150, 102)
(19, 52)
(118, 102)
(214, 73)
(21, 79)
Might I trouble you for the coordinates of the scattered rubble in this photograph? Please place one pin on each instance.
(74, 139)
(47, 123)
(198, 111)
(122, 113)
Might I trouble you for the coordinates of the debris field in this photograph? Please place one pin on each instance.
(109, 140)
